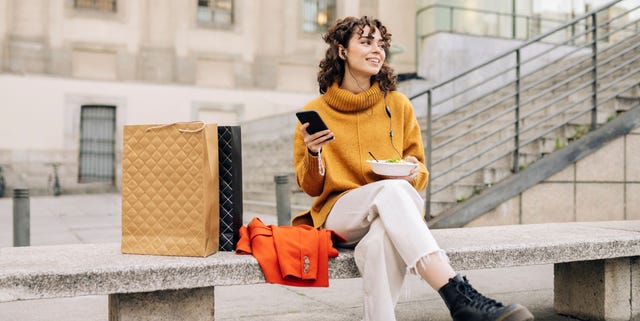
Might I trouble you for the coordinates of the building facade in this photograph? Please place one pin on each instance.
(74, 72)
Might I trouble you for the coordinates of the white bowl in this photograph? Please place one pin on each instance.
(391, 169)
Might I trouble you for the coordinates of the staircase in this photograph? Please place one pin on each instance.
(537, 99)
(492, 123)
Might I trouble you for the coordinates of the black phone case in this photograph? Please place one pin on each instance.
(312, 117)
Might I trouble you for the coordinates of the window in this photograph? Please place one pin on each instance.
(97, 144)
(317, 15)
(215, 13)
(100, 5)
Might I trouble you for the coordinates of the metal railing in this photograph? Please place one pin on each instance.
(519, 26)
(497, 118)
(503, 24)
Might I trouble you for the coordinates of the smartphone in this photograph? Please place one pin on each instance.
(312, 117)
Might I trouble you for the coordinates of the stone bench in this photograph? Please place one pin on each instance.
(597, 270)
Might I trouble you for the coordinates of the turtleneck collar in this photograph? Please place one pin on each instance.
(346, 101)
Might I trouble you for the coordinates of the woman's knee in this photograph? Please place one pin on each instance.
(403, 191)
(396, 183)
(401, 186)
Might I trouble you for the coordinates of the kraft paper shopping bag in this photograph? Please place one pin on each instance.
(170, 189)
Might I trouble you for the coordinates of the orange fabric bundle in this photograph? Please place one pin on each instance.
(289, 255)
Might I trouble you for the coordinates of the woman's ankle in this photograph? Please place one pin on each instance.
(435, 270)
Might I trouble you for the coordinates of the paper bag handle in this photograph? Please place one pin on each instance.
(179, 129)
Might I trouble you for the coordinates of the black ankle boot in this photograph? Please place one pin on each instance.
(466, 304)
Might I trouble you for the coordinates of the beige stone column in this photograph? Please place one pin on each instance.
(27, 45)
(157, 58)
(271, 43)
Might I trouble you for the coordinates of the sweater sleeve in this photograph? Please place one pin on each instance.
(413, 145)
(306, 166)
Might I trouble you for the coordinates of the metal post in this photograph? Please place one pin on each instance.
(429, 154)
(594, 73)
(417, 45)
(513, 19)
(2, 183)
(516, 129)
(451, 19)
(21, 220)
(283, 201)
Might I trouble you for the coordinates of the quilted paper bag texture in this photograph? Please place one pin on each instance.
(170, 189)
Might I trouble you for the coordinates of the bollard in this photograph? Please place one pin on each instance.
(2, 183)
(283, 201)
(21, 220)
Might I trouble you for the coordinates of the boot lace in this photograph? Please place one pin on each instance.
(477, 300)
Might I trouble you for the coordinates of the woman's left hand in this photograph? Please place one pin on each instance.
(414, 171)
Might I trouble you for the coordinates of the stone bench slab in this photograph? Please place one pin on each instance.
(95, 269)
(530, 244)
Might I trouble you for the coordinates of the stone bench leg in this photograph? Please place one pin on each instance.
(170, 305)
(598, 290)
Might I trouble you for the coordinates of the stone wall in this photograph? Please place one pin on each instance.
(603, 186)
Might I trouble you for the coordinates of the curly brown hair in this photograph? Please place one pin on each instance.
(332, 67)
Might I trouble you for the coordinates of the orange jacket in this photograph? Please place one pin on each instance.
(289, 255)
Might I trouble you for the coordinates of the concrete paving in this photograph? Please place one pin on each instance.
(95, 218)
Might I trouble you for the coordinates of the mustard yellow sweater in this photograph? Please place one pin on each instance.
(360, 124)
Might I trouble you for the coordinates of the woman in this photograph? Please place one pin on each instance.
(381, 216)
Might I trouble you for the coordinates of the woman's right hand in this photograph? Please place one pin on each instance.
(316, 141)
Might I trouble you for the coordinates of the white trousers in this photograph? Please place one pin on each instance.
(385, 220)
